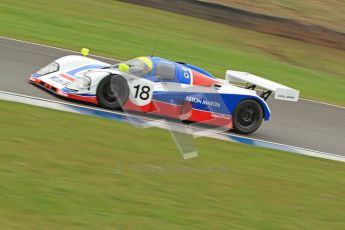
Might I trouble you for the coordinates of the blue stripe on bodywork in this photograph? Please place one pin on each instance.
(35, 75)
(75, 71)
(67, 90)
(184, 75)
(197, 69)
(220, 103)
(86, 94)
(94, 66)
(71, 91)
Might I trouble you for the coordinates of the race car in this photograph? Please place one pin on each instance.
(155, 85)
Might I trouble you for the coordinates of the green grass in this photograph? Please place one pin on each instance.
(120, 30)
(323, 13)
(65, 171)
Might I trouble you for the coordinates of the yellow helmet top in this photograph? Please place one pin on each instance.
(147, 61)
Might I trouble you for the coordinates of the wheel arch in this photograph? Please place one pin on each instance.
(266, 110)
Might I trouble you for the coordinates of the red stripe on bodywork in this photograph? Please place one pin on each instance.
(129, 105)
(181, 112)
(68, 77)
(90, 99)
(210, 118)
(202, 80)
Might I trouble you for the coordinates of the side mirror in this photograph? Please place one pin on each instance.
(123, 67)
(84, 51)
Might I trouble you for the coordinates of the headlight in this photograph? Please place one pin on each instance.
(50, 68)
(84, 82)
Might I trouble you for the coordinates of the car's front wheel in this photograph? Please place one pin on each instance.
(247, 116)
(112, 92)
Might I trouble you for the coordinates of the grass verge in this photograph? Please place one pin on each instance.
(120, 30)
(310, 12)
(65, 171)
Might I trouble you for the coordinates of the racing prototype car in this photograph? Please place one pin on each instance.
(159, 86)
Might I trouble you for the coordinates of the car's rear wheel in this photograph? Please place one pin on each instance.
(112, 92)
(247, 116)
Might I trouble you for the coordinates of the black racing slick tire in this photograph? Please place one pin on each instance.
(247, 117)
(112, 92)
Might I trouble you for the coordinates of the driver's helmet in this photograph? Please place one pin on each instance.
(139, 66)
(147, 64)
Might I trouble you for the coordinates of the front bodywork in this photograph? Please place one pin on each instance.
(70, 69)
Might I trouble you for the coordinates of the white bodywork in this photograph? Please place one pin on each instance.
(62, 80)
(85, 67)
(73, 62)
(69, 63)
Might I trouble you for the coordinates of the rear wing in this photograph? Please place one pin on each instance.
(281, 92)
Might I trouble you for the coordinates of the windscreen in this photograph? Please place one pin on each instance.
(139, 67)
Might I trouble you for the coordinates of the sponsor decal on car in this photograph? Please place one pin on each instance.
(203, 101)
(60, 80)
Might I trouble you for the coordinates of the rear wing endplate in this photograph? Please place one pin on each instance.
(281, 92)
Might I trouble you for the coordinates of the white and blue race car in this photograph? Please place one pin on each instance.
(159, 86)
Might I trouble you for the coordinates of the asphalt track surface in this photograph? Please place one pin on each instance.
(304, 124)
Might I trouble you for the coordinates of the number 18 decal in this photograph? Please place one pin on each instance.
(141, 92)
(144, 92)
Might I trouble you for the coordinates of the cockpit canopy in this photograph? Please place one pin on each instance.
(140, 66)
(161, 70)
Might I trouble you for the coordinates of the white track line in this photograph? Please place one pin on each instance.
(324, 103)
(53, 47)
(160, 124)
(97, 56)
